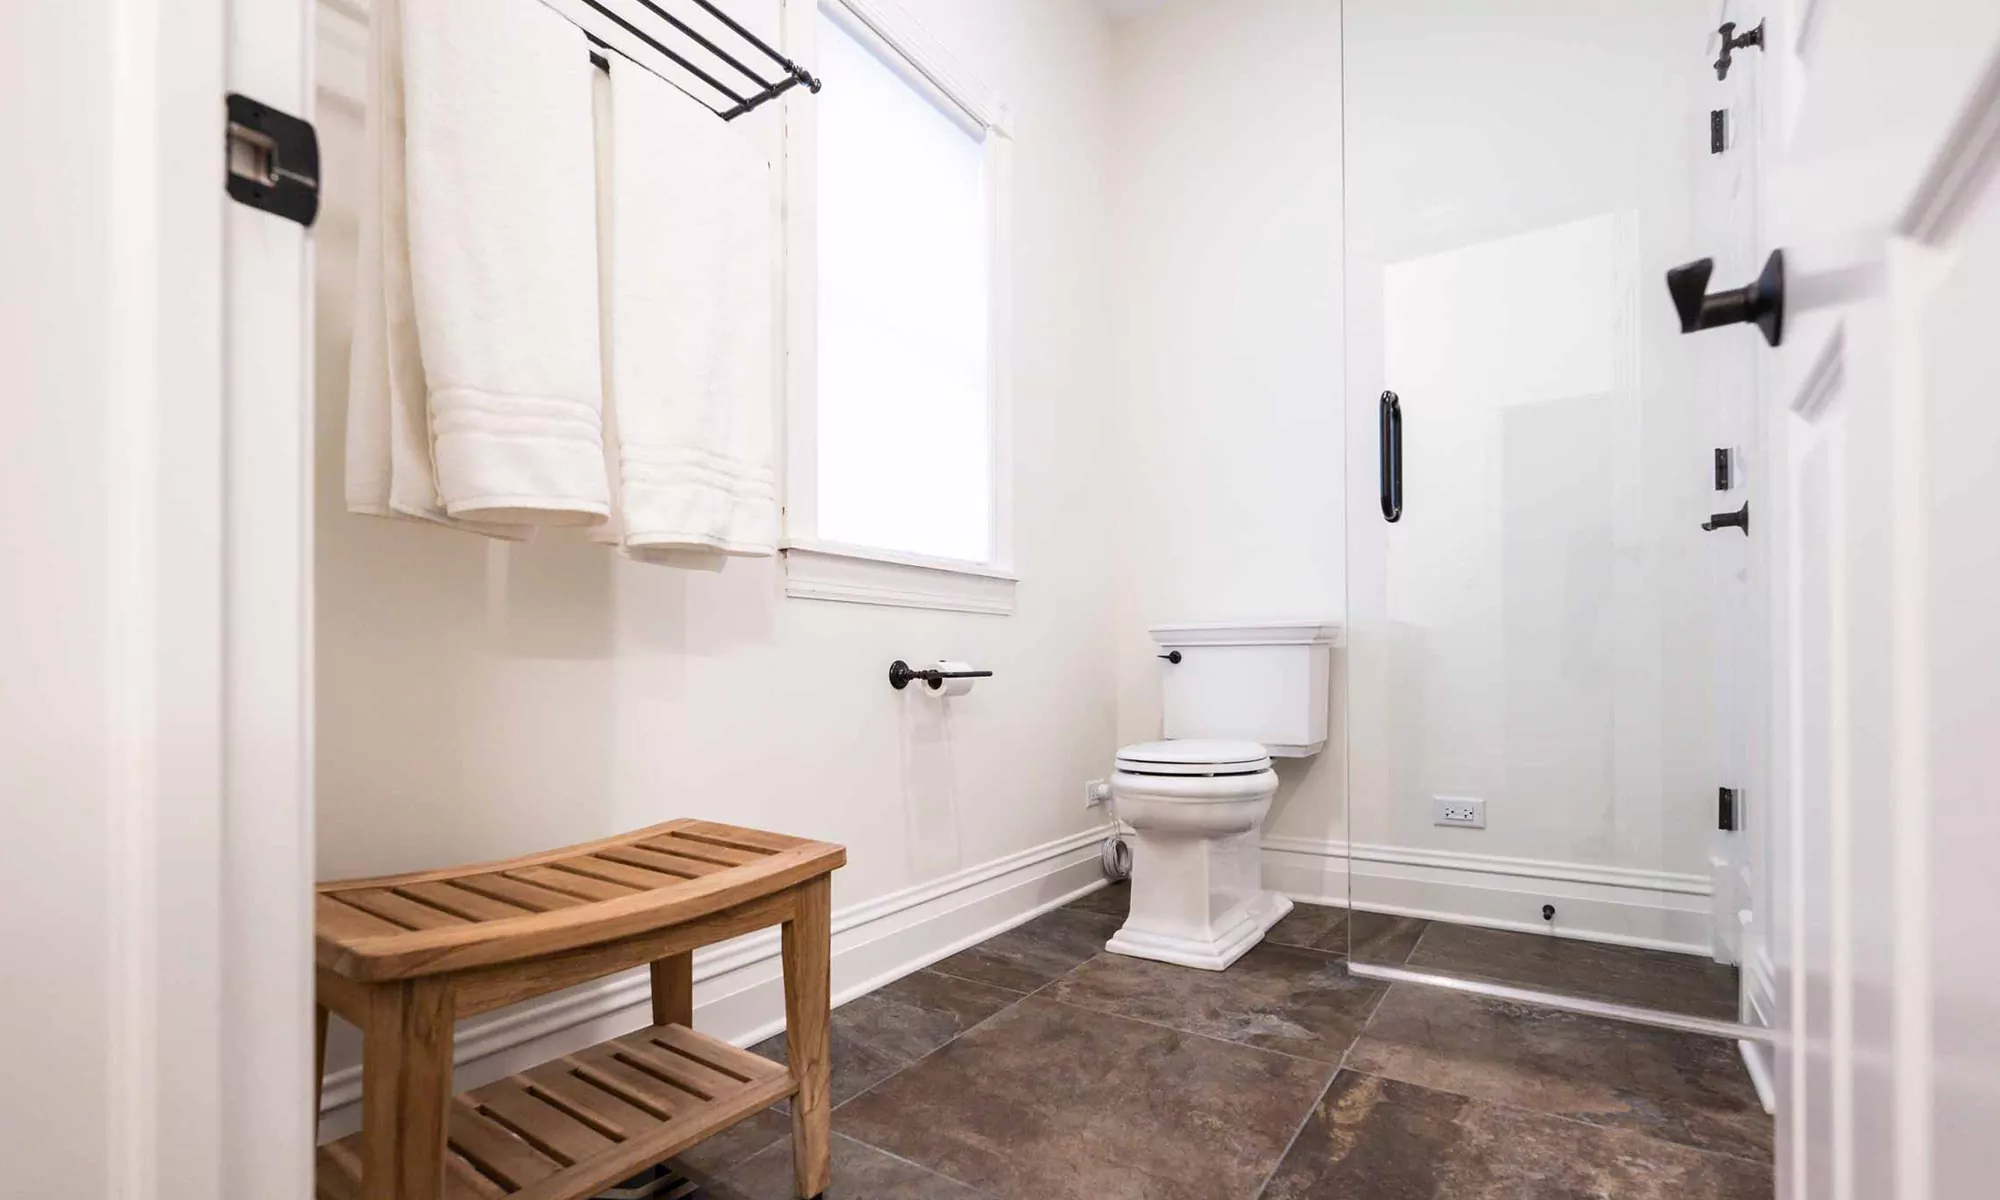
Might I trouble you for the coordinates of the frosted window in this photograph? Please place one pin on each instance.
(905, 428)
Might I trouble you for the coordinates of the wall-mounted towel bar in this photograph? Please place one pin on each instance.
(739, 99)
(902, 673)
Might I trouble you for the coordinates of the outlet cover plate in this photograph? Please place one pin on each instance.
(1461, 812)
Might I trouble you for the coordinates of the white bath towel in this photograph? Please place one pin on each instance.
(687, 243)
(499, 167)
(388, 437)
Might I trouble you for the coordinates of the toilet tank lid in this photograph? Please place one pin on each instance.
(1194, 756)
(1250, 633)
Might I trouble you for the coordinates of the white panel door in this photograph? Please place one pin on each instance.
(268, 1112)
(155, 863)
(1882, 128)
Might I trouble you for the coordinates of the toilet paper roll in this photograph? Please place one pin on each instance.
(952, 687)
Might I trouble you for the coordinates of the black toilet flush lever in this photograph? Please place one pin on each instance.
(1172, 656)
(1760, 302)
(1740, 519)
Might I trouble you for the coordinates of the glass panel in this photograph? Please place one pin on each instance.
(1533, 642)
(905, 450)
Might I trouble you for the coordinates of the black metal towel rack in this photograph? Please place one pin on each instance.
(740, 99)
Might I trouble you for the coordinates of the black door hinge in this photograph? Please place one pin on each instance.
(1723, 476)
(273, 160)
(1718, 130)
(1728, 810)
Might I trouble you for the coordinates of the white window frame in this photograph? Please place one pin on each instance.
(815, 568)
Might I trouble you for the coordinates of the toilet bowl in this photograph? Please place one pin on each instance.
(1196, 808)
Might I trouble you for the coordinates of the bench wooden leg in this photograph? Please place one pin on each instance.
(808, 948)
(673, 990)
(405, 1090)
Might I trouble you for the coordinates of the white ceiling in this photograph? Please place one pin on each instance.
(1119, 9)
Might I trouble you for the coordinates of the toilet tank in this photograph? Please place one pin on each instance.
(1260, 681)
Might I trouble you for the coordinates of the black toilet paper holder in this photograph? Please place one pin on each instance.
(901, 674)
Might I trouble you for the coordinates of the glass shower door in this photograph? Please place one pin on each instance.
(1534, 677)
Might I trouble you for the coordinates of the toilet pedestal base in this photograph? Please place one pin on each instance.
(1209, 954)
(1196, 902)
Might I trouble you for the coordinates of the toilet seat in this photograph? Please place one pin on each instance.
(1194, 756)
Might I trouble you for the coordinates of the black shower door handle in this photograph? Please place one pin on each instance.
(1392, 457)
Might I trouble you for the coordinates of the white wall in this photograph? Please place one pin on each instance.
(479, 700)
(58, 716)
(1226, 298)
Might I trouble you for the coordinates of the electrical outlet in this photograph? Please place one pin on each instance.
(1461, 811)
(1096, 792)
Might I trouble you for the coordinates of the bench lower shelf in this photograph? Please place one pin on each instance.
(573, 1127)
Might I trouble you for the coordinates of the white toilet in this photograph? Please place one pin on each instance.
(1233, 696)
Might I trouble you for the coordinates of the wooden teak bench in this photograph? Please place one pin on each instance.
(403, 957)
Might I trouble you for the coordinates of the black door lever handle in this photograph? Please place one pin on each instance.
(1761, 303)
(1740, 519)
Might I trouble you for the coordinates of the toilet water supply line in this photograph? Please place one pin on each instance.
(1115, 855)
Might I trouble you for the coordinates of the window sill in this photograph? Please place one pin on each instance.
(862, 575)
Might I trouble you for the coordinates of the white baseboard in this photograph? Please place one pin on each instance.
(1757, 1061)
(1660, 910)
(1760, 988)
(738, 995)
(1760, 1004)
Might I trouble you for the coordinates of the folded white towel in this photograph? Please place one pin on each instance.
(497, 108)
(388, 437)
(612, 532)
(687, 245)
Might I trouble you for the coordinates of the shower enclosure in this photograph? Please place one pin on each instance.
(1550, 697)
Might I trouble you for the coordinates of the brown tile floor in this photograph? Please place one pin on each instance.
(1034, 1065)
(1678, 983)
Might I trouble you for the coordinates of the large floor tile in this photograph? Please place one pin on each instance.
(1112, 900)
(1319, 926)
(1376, 1139)
(1377, 937)
(1051, 1102)
(860, 1172)
(1028, 956)
(1679, 1087)
(716, 1154)
(888, 1029)
(1683, 983)
(1293, 1001)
